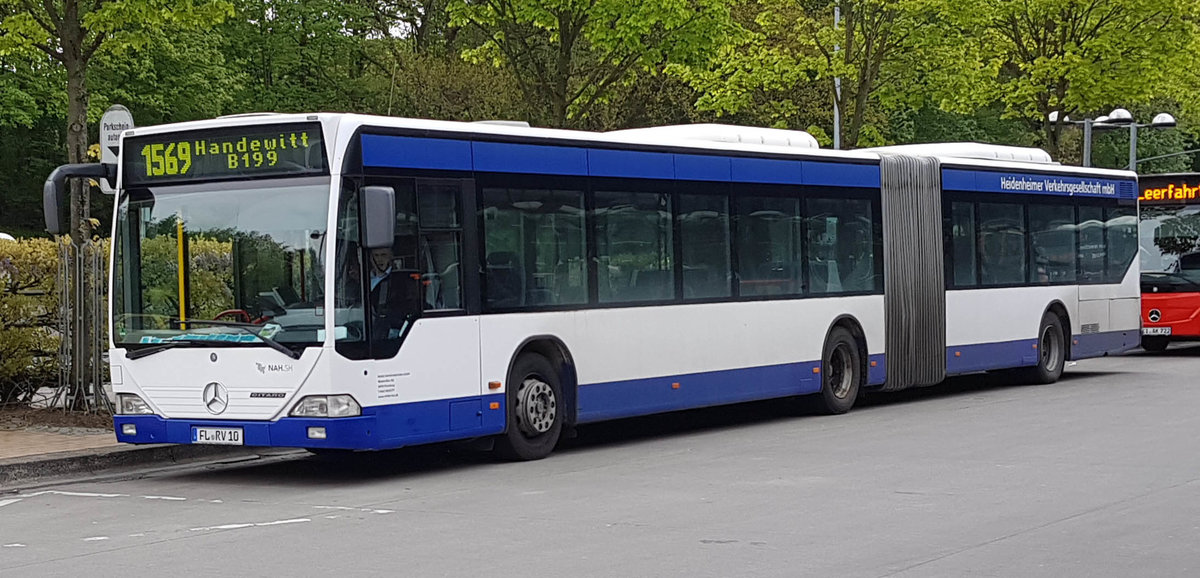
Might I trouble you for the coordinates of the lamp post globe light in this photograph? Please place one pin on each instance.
(1119, 117)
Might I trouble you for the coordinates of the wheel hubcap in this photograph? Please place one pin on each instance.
(841, 371)
(1050, 348)
(536, 406)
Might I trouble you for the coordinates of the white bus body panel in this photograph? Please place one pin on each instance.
(622, 344)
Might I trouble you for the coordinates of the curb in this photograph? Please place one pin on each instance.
(29, 469)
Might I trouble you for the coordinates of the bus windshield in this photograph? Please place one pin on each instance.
(1170, 239)
(251, 253)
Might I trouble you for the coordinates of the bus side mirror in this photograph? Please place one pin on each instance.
(52, 206)
(378, 216)
(54, 192)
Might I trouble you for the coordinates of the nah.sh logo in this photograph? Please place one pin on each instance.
(263, 368)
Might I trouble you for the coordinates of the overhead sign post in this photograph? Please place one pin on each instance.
(115, 120)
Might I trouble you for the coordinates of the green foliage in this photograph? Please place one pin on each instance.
(28, 311)
(569, 55)
(1070, 56)
(787, 64)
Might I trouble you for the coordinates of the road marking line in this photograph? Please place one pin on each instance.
(251, 525)
(355, 509)
(75, 494)
(9, 501)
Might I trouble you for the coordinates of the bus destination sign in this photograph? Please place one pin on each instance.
(1172, 189)
(226, 153)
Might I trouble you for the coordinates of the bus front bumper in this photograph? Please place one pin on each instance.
(333, 433)
(378, 428)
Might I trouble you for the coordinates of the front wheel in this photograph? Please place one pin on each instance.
(534, 410)
(841, 372)
(1155, 343)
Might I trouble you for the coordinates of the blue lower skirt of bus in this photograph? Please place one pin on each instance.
(379, 427)
(1023, 352)
(1108, 343)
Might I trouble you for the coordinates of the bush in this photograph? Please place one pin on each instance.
(28, 314)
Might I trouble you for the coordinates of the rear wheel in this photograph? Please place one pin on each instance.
(1052, 352)
(841, 372)
(1155, 343)
(534, 410)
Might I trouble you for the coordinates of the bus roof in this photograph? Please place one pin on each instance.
(699, 137)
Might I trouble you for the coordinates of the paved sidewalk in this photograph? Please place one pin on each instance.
(37, 454)
(34, 442)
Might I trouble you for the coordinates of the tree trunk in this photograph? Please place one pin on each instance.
(83, 325)
(77, 134)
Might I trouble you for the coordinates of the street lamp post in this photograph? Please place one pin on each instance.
(1161, 120)
(1117, 118)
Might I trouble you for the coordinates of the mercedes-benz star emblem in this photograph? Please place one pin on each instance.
(1154, 315)
(216, 398)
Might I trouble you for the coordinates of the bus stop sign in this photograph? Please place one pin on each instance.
(116, 119)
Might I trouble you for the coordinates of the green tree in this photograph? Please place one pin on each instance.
(1071, 56)
(568, 55)
(71, 33)
(794, 57)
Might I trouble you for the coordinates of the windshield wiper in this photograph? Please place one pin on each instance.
(247, 327)
(1179, 276)
(140, 353)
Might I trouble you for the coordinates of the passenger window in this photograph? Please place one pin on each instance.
(1052, 236)
(769, 246)
(841, 245)
(535, 247)
(1120, 227)
(1092, 255)
(440, 253)
(634, 246)
(1002, 244)
(962, 238)
(704, 238)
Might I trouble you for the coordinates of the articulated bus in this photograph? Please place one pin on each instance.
(1169, 238)
(345, 282)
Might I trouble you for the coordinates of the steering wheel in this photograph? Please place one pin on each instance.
(240, 314)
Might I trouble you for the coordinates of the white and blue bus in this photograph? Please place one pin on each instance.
(336, 281)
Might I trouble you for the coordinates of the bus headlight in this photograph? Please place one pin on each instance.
(129, 404)
(327, 406)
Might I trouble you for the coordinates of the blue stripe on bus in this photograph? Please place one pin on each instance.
(1022, 353)
(987, 356)
(416, 153)
(512, 158)
(380, 427)
(1108, 343)
(1036, 184)
(452, 154)
(630, 164)
(634, 397)
(746, 170)
(702, 168)
(841, 175)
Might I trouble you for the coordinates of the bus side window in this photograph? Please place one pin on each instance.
(1092, 255)
(440, 251)
(534, 247)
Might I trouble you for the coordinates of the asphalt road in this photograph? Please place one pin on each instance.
(1097, 475)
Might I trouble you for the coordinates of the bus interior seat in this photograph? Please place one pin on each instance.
(504, 279)
(651, 284)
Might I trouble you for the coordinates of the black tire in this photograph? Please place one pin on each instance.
(1052, 352)
(1155, 343)
(842, 373)
(534, 411)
